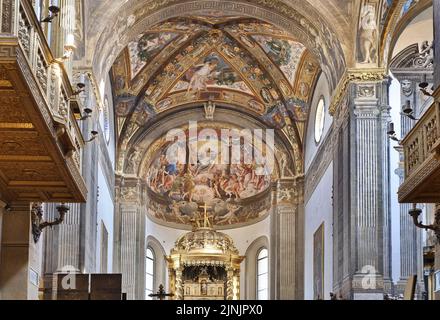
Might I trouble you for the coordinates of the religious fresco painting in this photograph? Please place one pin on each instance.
(318, 264)
(213, 72)
(244, 63)
(235, 193)
(146, 47)
(285, 53)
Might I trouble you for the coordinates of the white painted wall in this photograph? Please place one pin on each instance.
(322, 89)
(420, 29)
(105, 216)
(105, 202)
(319, 210)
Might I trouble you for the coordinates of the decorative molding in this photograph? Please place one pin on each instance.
(354, 76)
(7, 14)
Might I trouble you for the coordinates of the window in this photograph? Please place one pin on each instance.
(319, 120)
(149, 276)
(105, 120)
(104, 249)
(263, 275)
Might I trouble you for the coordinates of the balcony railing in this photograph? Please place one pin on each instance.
(422, 166)
(23, 43)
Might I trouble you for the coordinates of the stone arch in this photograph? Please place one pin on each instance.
(397, 26)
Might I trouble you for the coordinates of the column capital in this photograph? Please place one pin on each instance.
(366, 76)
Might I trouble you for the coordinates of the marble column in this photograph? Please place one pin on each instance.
(20, 260)
(62, 244)
(130, 239)
(287, 243)
(370, 190)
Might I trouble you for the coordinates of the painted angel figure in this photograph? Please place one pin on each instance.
(202, 75)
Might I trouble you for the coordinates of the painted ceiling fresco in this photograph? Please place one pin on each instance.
(233, 194)
(244, 63)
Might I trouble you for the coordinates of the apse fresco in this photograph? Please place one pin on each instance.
(285, 53)
(233, 193)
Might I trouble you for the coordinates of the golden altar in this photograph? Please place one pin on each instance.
(204, 265)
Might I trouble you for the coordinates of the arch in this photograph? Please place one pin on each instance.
(160, 265)
(398, 27)
(250, 289)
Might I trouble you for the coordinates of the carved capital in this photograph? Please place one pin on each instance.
(366, 77)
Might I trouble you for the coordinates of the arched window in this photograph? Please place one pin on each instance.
(263, 275)
(149, 276)
(319, 120)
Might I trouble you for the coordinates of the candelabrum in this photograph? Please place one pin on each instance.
(415, 214)
(38, 223)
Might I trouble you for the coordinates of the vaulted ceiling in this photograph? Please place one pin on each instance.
(240, 62)
(111, 25)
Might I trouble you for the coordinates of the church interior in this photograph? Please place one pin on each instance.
(219, 150)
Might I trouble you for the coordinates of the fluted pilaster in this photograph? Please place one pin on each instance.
(287, 241)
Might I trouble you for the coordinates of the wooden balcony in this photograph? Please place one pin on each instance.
(40, 141)
(422, 158)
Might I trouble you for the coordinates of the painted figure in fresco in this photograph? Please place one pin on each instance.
(189, 186)
(203, 74)
(231, 216)
(150, 44)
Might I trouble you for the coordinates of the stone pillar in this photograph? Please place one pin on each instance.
(287, 242)
(411, 247)
(370, 199)
(20, 260)
(62, 244)
(130, 239)
(343, 268)
(410, 67)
